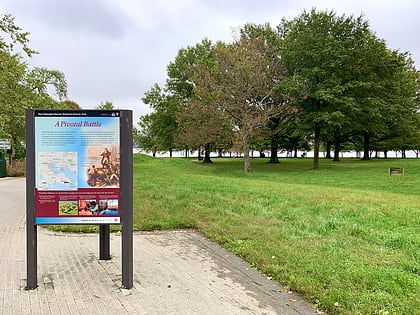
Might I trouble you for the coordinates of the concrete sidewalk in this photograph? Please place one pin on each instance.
(175, 272)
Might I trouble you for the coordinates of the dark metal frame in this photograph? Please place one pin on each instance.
(126, 203)
(31, 227)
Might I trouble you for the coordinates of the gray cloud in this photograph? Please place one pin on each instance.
(117, 49)
(90, 17)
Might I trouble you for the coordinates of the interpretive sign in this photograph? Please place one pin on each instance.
(395, 171)
(77, 167)
(79, 170)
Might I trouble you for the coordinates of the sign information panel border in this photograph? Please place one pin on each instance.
(77, 167)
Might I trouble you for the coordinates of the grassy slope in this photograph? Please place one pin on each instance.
(341, 236)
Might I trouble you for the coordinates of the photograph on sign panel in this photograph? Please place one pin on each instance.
(67, 208)
(108, 207)
(88, 207)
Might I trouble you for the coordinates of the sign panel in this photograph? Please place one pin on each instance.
(77, 167)
(4, 144)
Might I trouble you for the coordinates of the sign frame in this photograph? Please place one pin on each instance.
(125, 191)
(395, 171)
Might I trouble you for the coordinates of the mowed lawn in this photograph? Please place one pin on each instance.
(341, 236)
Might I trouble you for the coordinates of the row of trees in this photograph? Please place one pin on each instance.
(319, 78)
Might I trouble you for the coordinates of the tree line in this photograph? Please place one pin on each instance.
(318, 79)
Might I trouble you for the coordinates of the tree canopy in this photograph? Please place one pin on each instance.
(349, 82)
(108, 105)
(317, 78)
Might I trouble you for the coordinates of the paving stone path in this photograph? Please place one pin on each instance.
(175, 272)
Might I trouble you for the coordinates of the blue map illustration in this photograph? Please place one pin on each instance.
(56, 171)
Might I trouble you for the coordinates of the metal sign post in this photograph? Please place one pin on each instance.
(31, 233)
(104, 242)
(127, 198)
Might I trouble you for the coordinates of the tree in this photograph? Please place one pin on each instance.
(70, 104)
(145, 137)
(199, 125)
(242, 85)
(351, 82)
(202, 125)
(15, 36)
(388, 100)
(278, 125)
(403, 136)
(161, 124)
(105, 106)
(333, 62)
(22, 87)
(414, 140)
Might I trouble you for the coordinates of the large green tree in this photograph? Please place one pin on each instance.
(387, 101)
(201, 123)
(200, 126)
(344, 74)
(179, 120)
(242, 85)
(278, 126)
(23, 88)
(161, 125)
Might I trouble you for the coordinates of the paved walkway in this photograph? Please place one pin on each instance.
(175, 272)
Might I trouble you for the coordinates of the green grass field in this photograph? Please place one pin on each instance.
(341, 236)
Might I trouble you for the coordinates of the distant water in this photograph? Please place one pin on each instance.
(391, 154)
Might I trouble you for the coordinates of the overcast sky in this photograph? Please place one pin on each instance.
(115, 50)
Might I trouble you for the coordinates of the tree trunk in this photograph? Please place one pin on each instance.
(295, 153)
(337, 144)
(385, 154)
(200, 158)
(328, 149)
(170, 152)
(366, 145)
(274, 150)
(247, 159)
(207, 153)
(14, 144)
(403, 154)
(317, 133)
(12, 158)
